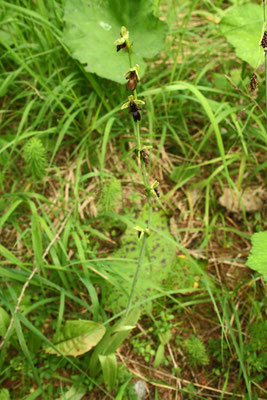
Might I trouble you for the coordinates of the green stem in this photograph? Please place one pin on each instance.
(143, 173)
(138, 269)
(129, 53)
(140, 163)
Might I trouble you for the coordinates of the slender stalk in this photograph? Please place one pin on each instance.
(138, 269)
(145, 178)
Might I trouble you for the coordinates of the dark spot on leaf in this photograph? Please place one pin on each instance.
(128, 243)
(133, 248)
(154, 248)
(163, 261)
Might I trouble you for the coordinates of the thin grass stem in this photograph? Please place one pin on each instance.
(137, 272)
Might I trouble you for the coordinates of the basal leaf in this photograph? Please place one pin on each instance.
(113, 339)
(92, 26)
(74, 393)
(257, 259)
(243, 28)
(77, 337)
(109, 368)
(4, 394)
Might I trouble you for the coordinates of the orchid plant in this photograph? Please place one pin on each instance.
(143, 156)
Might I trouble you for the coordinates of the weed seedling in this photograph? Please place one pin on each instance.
(195, 351)
(35, 158)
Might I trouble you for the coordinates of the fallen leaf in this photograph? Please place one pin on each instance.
(249, 200)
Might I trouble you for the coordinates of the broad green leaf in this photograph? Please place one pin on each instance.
(113, 339)
(4, 321)
(243, 28)
(92, 26)
(109, 368)
(4, 394)
(74, 393)
(77, 337)
(257, 259)
(161, 269)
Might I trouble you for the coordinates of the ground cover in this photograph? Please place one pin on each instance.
(72, 196)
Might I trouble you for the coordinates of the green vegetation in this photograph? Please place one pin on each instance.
(133, 199)
(35, 160)
(196, 352)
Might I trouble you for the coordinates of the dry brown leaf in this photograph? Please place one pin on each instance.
(249, 200)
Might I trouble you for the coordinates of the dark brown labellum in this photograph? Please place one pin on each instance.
(134, 109)
(145, 157)
(264, 40)
(132, 80)
(253, 83)
(157, 192)
(121, 46)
